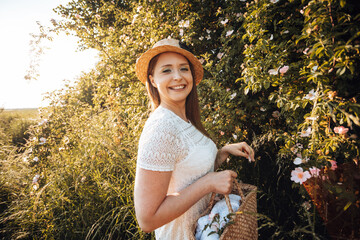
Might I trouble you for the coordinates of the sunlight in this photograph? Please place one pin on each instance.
(60, 62)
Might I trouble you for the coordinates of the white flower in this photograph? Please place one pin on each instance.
(232, 96)
(311, 95)
(184, 24)
(312, 118)
(286, 31)
(35, 187)
(299, 145)
(284, 69)
(271, 37)
(299, 176)
(235, 136)
(134, 18)
(181, 32)
(220, 55)
(97, 16)
(201, 60)
(298, 161)
(262, 109)
(44, 121)
(305, 133)
(111, 29)
(274, 1)
(273, 71)
(228, 33)
(224, 22)
(201, 38)
(138, 8)
(314, 68)
(42, 140)
(36, 178)
(208, 37)
(35, 159)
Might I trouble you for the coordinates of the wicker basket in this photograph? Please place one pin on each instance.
(245, 219)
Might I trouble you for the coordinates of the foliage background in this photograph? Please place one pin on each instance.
(74, 176)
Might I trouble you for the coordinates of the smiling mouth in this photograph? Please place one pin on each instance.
(178, 87)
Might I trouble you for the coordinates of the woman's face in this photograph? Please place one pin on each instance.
(173, 78)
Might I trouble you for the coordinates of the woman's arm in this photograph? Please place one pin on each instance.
(154, 207)
(237, 149)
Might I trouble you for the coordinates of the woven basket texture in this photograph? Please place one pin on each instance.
(245, 219)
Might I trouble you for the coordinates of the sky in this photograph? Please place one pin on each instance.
(62, 61)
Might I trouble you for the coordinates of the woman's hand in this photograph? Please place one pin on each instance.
(221, 182)
(241, 149)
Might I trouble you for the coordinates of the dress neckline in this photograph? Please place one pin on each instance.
(177, 116)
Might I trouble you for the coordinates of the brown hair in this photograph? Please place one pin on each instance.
(192, 100)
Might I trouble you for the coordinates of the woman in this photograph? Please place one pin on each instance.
(176, 158)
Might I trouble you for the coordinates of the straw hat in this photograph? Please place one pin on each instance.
(167, 45)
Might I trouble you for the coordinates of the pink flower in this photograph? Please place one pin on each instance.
(306, 51)
(341, 130)
(222, 133)
(77, 16)
(333, 164)
(299, 145)
(299, 176)
(220, 55)
(284, 69)
(276, 114)
(201, 60)
(314, 171)
(228, 89)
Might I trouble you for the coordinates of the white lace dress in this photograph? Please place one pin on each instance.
(168, 143)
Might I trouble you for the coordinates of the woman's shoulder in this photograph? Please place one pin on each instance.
(160, 120)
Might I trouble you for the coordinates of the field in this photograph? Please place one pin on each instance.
(21, 113)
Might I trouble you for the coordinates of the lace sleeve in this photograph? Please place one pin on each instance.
(159, 147)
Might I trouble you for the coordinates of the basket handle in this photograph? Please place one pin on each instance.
(226, 196)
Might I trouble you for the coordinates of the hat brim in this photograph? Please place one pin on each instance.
(142, 64)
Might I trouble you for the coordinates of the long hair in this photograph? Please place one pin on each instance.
(192, 100)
